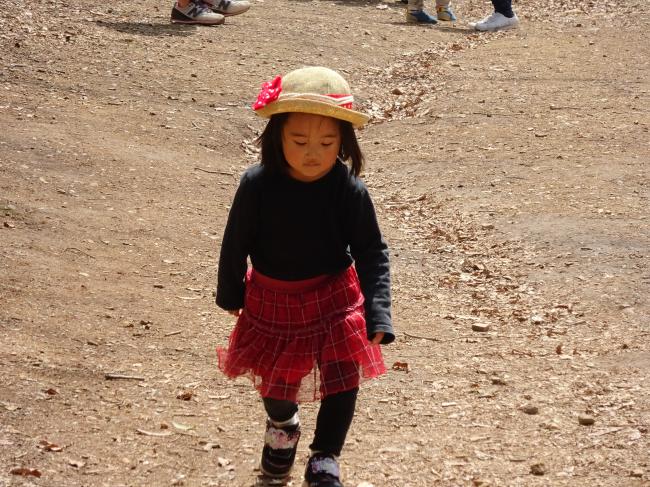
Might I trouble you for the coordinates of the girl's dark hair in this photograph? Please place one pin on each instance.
(270, 143)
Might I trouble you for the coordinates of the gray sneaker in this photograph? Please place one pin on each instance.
(228, 7)
(195, 12)
(322, 471)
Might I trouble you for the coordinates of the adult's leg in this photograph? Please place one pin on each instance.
(444, 12)
(415, 13)
(416, 4)
(502, 18)
(333, 422)
(504, 7)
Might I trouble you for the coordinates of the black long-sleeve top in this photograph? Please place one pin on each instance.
(294, 230)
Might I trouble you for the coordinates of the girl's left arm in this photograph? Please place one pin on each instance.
(370, 253)
(378, 338)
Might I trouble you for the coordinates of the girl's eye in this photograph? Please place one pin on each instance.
(326, 144)
(299, 143)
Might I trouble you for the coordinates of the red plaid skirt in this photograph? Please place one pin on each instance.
(302, 340)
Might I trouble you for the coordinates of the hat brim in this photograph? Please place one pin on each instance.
(357, 119)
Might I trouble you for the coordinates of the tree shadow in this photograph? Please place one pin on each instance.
(411, 25)
(359, 3)
(150, 29)
(453, 29)
(457, 29)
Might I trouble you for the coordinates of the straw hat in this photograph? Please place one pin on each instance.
(314, 89)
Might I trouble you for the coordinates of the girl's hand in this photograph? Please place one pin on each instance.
(234, 312)
(379, 336)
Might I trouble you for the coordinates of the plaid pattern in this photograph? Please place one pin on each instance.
(302, 340)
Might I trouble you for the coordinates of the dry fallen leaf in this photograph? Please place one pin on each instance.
(403, 366)
(185, 396)
(25, 472)
(47, 446)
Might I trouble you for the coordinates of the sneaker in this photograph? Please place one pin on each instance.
(279, 453)
(445, 13)
(322, 471)
(420, 17)
(195, 12)
(228, 7)
(496, 21)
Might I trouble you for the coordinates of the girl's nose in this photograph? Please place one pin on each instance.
(312, 151)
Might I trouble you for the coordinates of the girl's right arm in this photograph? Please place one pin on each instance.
(235, 247)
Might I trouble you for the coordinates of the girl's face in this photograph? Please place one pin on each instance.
(310, 144)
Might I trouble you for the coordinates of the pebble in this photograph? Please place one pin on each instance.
(538, 469)
(482, 327)
(637, 473)
(530, 409)
(586, 420)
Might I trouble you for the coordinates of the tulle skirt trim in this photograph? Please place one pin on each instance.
(302, 340)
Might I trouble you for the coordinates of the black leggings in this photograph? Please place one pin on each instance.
(504, 7)
(333, 421)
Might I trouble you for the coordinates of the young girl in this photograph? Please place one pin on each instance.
(315, 306)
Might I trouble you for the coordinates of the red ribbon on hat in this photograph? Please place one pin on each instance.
(269, 93)
(344, 105)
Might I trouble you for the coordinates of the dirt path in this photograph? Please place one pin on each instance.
(510, 172)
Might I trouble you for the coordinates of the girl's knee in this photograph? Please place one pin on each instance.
(279, 410)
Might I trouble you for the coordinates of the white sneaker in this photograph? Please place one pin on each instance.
(228, 7)
(496, 21)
